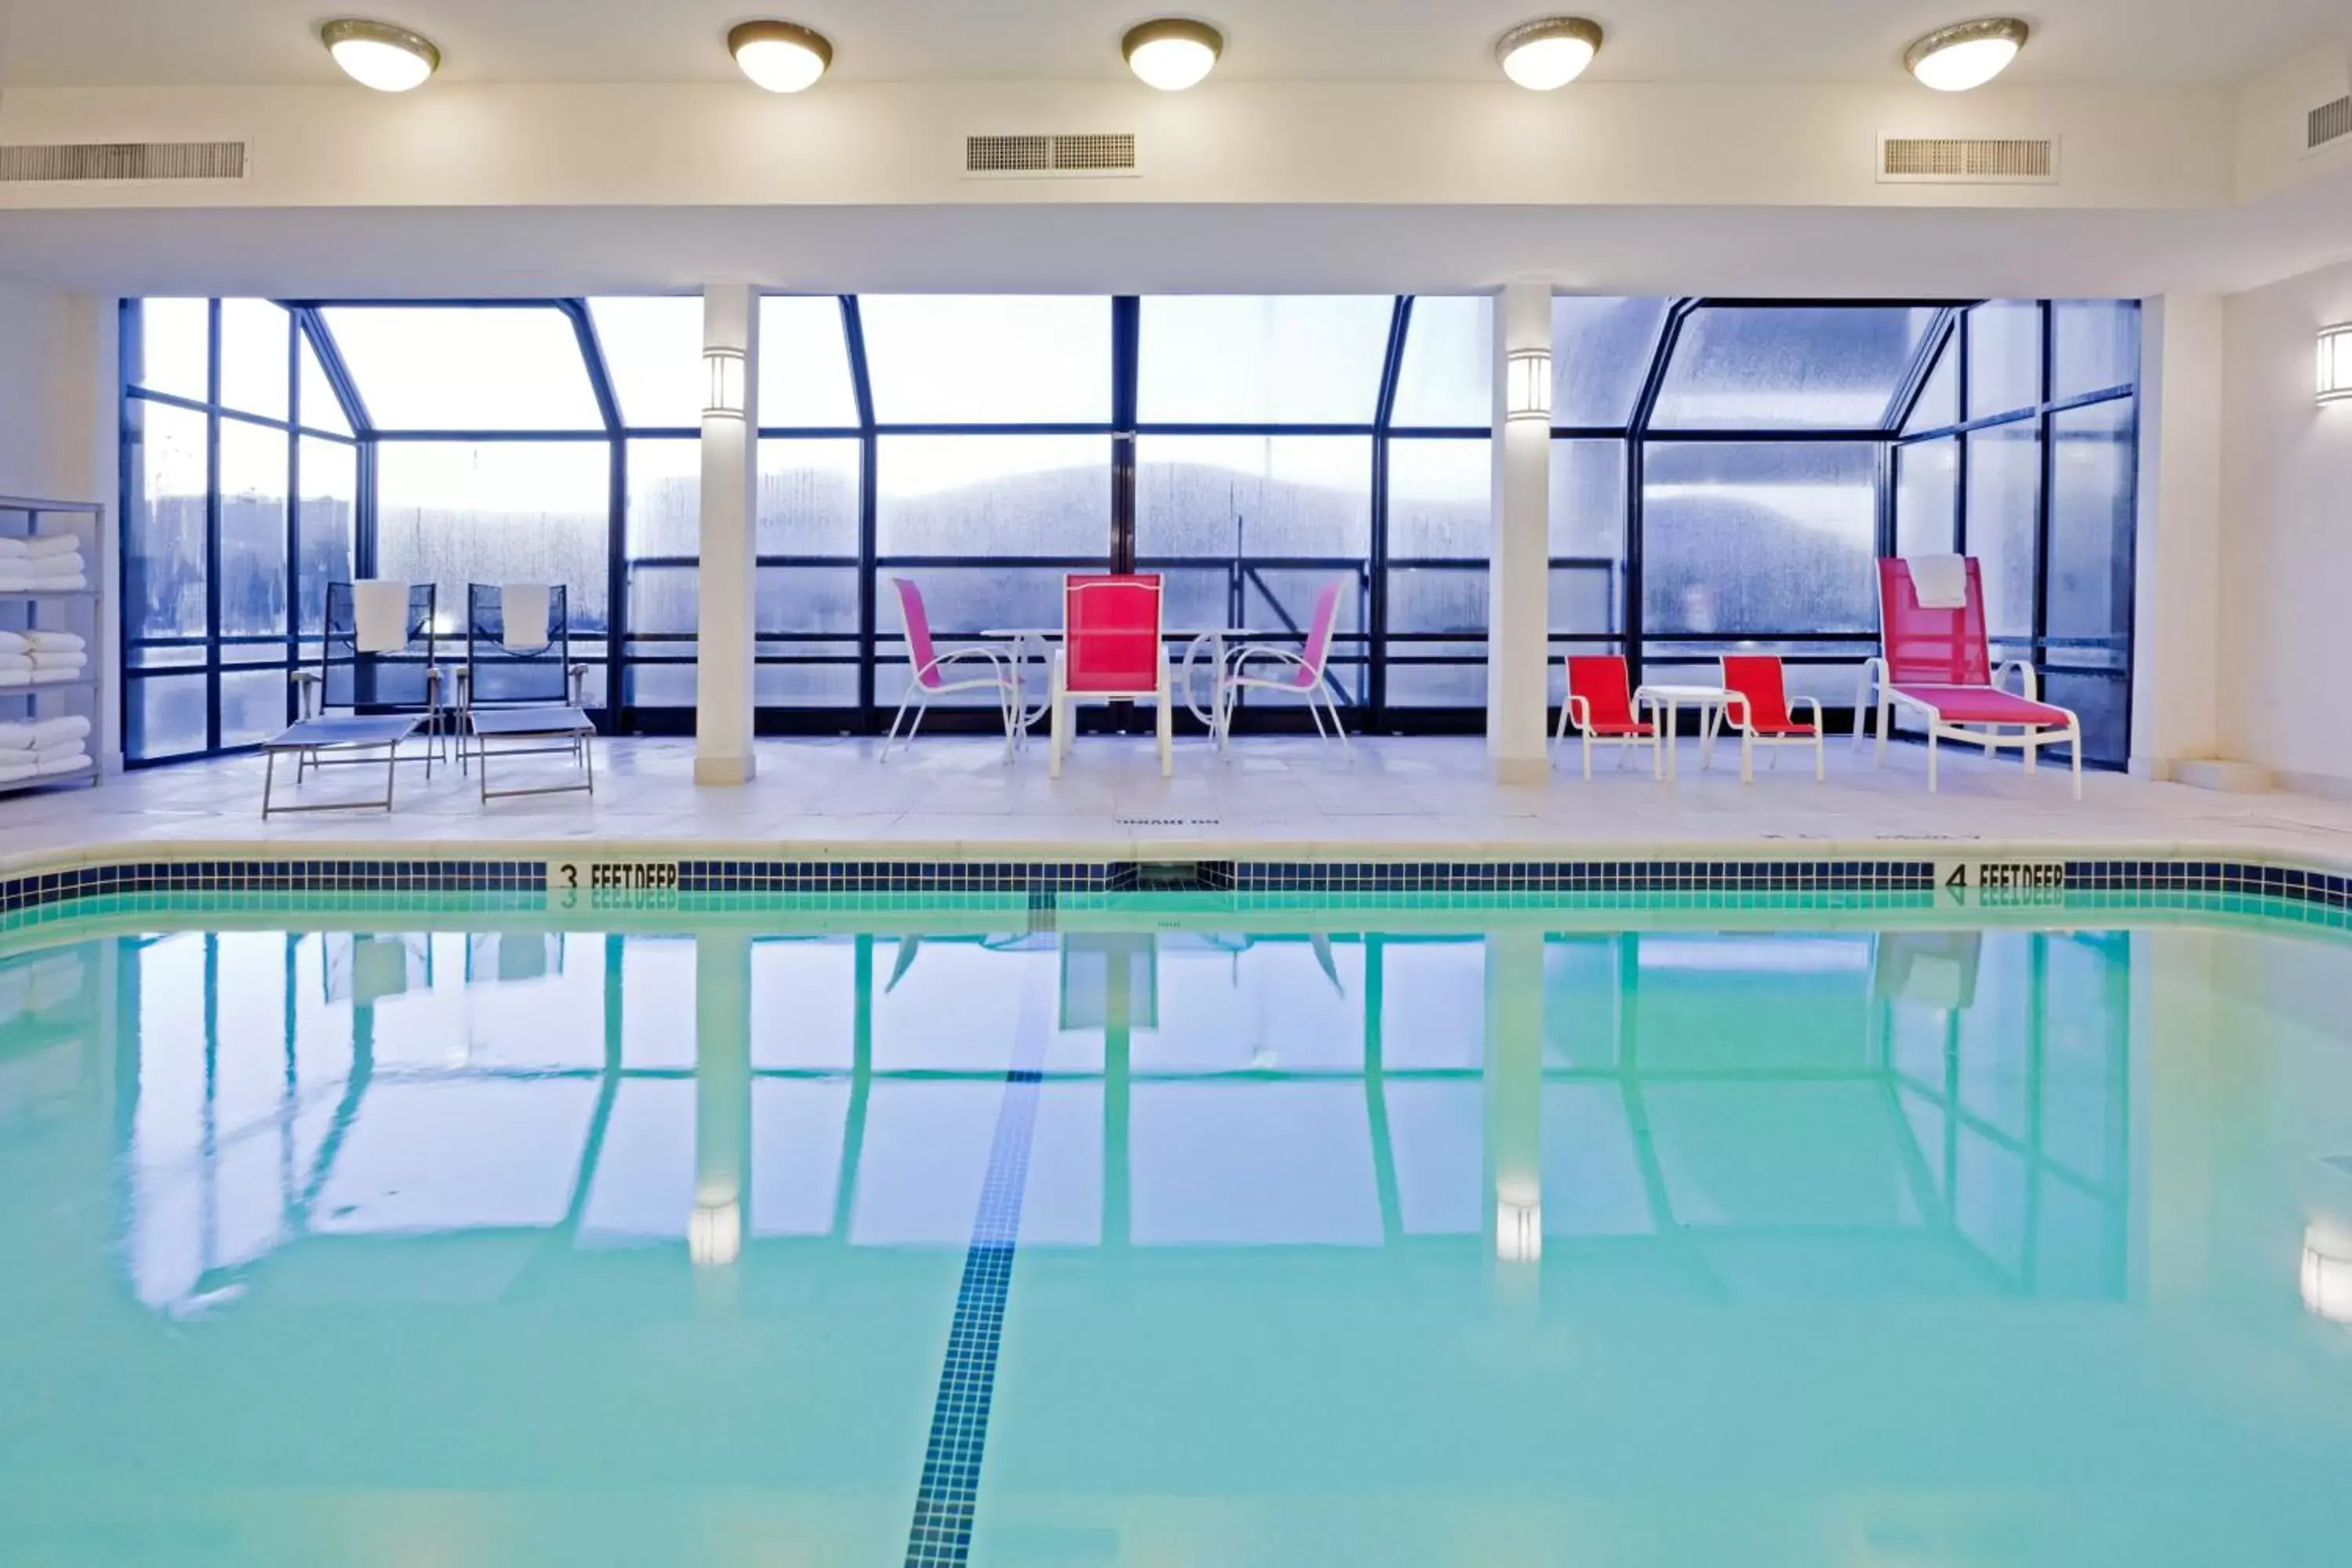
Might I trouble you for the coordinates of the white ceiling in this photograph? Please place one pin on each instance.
(74, 42)
(1812, 252)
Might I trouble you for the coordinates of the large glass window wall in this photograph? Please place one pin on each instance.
(1724, 473)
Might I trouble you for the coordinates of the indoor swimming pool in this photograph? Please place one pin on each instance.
(1174, 1233)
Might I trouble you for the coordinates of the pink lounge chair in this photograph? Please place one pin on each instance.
(1111, 652)
(1300, 673)
(1937, 665)
(932, 670)
(1601, 702)
(1757, 707)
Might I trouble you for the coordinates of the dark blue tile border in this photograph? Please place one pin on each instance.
(946, 1499)
(1043, 883)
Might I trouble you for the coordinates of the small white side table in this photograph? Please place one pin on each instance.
(1707, 699)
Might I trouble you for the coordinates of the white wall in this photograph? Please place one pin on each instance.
(2286, 538)
(59, 425)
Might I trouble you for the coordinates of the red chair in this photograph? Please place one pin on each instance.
(1602, 704)
(1756, 703)
(1111, 652)
(1937, 665)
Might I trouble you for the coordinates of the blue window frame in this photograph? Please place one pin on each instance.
(1249, 448)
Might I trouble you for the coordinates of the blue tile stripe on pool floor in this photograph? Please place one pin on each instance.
(949, 1494)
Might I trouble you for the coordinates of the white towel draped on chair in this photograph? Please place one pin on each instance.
(1940, 581)
(522, 616)
(380, 616)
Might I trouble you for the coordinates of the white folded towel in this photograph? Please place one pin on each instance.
(54, 563)
(14, 547)
(64, 764)
(59, 752)
(13, 771)
(1941, 582)
(19, 583)
(53, 544)
(380, 615)
(63, 642)
(13, 642)
(18, 736)
(15, 661)
(15, 677)
(68, 657)
(50, 674)
(522, 616)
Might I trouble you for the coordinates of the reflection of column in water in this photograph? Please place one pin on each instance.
(722, 1095)
(1515, 1028)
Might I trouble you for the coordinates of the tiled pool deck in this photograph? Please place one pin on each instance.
(954, 797)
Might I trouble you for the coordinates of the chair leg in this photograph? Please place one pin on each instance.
(1746, 757)
(1821, 753)
(2074, 749)
(1058, 736)
(1931, 759)
(1338, 728)
(896, 720)
(1588, 756)
(1886, 715)
(1167, 727)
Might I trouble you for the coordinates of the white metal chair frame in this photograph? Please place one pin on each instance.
(1318, 688)
(1735, 712)
(1000, 679)
(1579, 710)
(2029, 739)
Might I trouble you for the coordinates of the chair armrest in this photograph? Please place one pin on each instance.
(941, 660)
(1820, 724)
(1738, 712)
(308, 686)
(1579, 711)
(2029, 687)
(1241, 656)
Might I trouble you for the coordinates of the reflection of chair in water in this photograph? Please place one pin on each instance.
(1109, 980)
(365, 967)
(1927, 968)
(378, 654)
(502, 958)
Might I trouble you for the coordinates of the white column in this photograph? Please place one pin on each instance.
(1519, 577)
(2177, 638)
(728, 575)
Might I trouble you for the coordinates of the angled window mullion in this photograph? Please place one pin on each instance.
(861, 380)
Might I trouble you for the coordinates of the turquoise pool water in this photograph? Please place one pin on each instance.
(1208, 1240)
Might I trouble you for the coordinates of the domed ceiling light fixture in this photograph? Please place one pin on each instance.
(1171, 53)
(782, 57)
(1966, 54)
(1550, 53)
(379, 55)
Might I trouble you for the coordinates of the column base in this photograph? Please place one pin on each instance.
(724, 770)
(1533, 771)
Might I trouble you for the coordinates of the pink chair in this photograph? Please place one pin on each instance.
(1937, 665)
(931, 671)
(1111, 652)
(1300, 673)
(1756, 703)
(1601, 702)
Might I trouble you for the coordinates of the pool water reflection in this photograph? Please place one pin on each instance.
(1669, 1245)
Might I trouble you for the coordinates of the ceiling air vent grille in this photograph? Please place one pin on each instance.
(1100, 153)
(1967, 159)
(2328, 124)
(122, 160)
